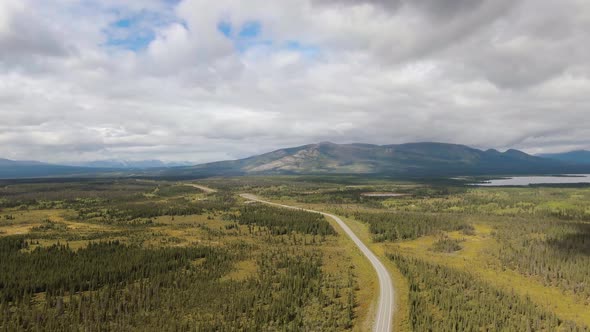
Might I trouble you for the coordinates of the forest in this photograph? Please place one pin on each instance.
(444, 299)
(530, 245)
(148, 254)
(409, 225)
(154, 256)
(284, 221)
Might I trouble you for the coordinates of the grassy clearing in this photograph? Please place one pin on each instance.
(474, 257)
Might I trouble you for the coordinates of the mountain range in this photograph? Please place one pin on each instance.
(410, 159)
(10, 169)
(579, 156)
(129, 164)
(32, 169)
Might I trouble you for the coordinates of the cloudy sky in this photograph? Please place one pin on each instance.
(200, 80)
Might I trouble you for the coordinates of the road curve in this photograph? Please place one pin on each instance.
(384, 317)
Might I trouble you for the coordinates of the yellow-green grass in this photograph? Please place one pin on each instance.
(242, 270)
(25, 221)
(474, 258)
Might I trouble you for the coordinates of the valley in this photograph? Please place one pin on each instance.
(294, 166)
(102, 254)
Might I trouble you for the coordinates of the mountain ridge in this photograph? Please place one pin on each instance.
(420, 159)
(127, 164)
(577, 156)
(14, 169)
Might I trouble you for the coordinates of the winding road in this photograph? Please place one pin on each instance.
(384, 316)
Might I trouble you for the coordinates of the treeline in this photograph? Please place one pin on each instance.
(444, 299)
(58, 268)
(124, 212)
(333, 196)
(80, 192)
(95, 193)
(549, 203)
(282, 221)
(290, 292)
(392, 226)
(175, 190)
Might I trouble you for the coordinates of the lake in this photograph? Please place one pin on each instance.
(527, 180)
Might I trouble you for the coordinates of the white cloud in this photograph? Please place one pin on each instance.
(75, 85)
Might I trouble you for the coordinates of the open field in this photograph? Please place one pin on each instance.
(111, 254)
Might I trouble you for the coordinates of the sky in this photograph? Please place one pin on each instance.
(200, 81)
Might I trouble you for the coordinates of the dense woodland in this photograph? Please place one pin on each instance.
(561, 257)
(387, 226)
(126, 272)
(57, 268)
(284, 221)
(113, 286)
(444, 299)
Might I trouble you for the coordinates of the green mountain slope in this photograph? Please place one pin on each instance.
(414, 159)
(14, 169)
(580, 156)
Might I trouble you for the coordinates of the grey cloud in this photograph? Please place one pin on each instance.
(493, 74)
(392, 5)
(26, 35)
(447, 9)
(434, 9)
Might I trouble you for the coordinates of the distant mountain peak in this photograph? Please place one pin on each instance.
(129, 164)
(415, 159)
(576, 156)
(421, 159)
(326, 143)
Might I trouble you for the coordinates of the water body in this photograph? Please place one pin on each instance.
(527, 180)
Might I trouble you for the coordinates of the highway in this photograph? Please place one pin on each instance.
(207, 190)
(384, 315)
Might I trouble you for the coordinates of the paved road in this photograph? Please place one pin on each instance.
(384, 317)
(203, 188)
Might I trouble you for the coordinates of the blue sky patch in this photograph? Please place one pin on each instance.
(243, 45)
(225, 28)
(305, 49)
(250, 29)
(133, 43)
(124, 23)
(244, 37)
(129, 33)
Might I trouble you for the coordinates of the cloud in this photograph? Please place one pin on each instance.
(26, 36)
(201, 81)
